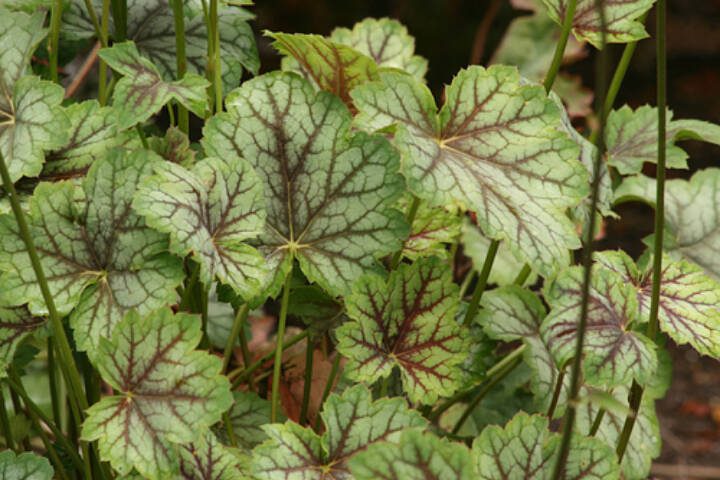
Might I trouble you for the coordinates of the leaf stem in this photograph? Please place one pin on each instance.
(102, 66)
(307, 384)
(481, 283)
(410, 218)
(556, 393)
(53, 44)
(523, 275)
(636, 391)
(181, 59)
(597, 422)
(238, 326)
(587, 260)
(328, 386)
(275, 393)
(5, 424)
(560, 47)
(94, 20)
(119, 12)
(214, 68)
(53, 382)
(230, 430)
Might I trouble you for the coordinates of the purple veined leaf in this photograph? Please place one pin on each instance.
(613, 354)
(174, 147)
(406, 322)
(248, 415)
(208, 459)
(169, 394)
(16, 323)
(329, 195)
(99, 257)
(495, 148)
(689, 308)
(621, 18)
(417, 455)
(353, 421)
(25, 466)
(433, 228)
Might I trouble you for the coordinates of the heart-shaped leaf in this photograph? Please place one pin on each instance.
(208, 459)
(168, 393)
(689, 308)
(142, 92)
(386, 41)
(495, 146)
(328, 195)
(26, 466)
(525, 448)
(16, 323)
(99, 257)
(417, 455)
(621, 17)
(210, 211)
(407, 322)
(353, 421)
(613, 354)
(631, 138)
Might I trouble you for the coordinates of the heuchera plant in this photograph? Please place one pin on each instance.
(342, 198)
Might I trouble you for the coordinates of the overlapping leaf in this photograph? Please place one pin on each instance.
(689, 308)
(142, 92)
(622, 19)
(353, 421)
(432, 229)
(168, 393)
(525, 448)
(26, 466)
(495, 146)
(99, 257)
(692, 215)
(174, 147)
(407, 322)
(613, 353)
(328, 194)
(209, 211)
(247, 415)
(386, 41)
(16, 323)
(208, 459)
(416, 456)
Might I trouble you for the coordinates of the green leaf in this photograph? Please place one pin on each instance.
(688, 309)
(16, 323)
(692, 219)
(20, 35)
(407, 322)
(495, 147)
(151, 25)
(208, 459)
(525, 448)
(209, 211)
(328, 195)
(386, 41)
(247, 415)
(613, 354)
(168, 393)
(631, 138)
(174, 147)
(142, 91)
(621, 17)
(353, 421)
(99, 257)
(26, 466)
(432, 230)
(417, 455)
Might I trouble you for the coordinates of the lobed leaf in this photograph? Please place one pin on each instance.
(248, 415)
(431, 231)
(25, 466)
(16, 323)
(208, 459)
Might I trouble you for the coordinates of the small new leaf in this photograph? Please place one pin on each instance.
(26, 466)
(16, 323)
(407, 322)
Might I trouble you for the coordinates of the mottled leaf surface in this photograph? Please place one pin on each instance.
(386, 41)
(208, 459)
(495, 147)
(209, 211)
(432, 229)
(328, 194)
(168, 393)
(416, 456)
(174, 147)
(613, 354)
(406, 322)
(16, 323)
(142, 92)
(353, 421)
(247, 415)
(621, 17)
(26, 466)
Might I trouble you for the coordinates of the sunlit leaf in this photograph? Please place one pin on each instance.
(613, 354)
(142, 92)
(386, 41)
(433, 228)
(15, 324)
(207, 459)
(353, 421)
(25, 466)
(168, 393)
(621, 17)
(495, 146)
(689, 306)
(407, 322)
(209, 211)
(416, 456)
(328, 194)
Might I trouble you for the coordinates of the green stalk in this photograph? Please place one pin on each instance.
(5, 424)
(53, 45)
(119, 12)
(328, 386)
(102, 66)
(52, 381)
(190, 288)
(94, 20)
(410, 218)
(560, 47)
(238, 326)
(181, 59)
(556, 393)
(49, 447)
(481, 283)
(523, 275)
(214, 69)
(275, 394)
(597, 422)
(307, 385)
(576, 370)
(230, 430)
(141, 135)
(636, 392)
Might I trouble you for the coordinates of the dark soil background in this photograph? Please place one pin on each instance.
(445, 32)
